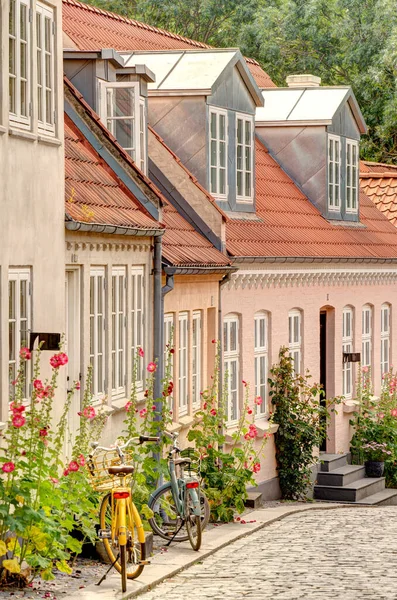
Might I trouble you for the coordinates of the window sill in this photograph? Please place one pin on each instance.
(263, 426)
(3, 425)
(174, 427)
(119, 404)
(2, 129)
(50, 141)
(25, 135)
(186, 420)
(350, 406)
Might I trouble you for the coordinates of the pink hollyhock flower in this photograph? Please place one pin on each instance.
(244, 383)
(66, 472)
(258, 400)
(128, 406)
(73, 466)
(54, 480)
(209, 446)
(141, 352)
(143, 412)
(213, 412)
(381, 416)
(247, 436)
(89, 412)
(151, 367)
(25, 353)
(205, 406)
(8, 467)
(154, 407)
(17, 409)
(18, 421)
(393, 412)
(256, 467)
(365, 369)
(43, 432)
(38, 384)
(77, 386)
(82, 460)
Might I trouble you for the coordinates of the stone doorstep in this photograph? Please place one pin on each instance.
(341, 476)
(329, 462)
(181, 556)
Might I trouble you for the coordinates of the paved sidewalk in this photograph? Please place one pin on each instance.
(181, 556)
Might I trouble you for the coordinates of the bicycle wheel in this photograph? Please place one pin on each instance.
(123, 568)
(166, 521)
(135, 551)
(193, 522)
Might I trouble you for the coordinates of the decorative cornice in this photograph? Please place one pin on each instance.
(106, 247)
(244, 279)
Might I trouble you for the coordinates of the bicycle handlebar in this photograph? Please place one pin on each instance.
(135, 440)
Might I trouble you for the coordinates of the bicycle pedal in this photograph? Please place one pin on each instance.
(144, 562)
(104, 534)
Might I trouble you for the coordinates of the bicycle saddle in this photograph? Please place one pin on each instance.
(182, 461)
(121, 470)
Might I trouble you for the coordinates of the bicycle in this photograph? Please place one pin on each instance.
(176, 502)
(121, 529)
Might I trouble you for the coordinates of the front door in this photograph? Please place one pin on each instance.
(72, 345)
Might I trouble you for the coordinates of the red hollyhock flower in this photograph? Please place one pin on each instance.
(73, 466)
(25, 353)
(18, 420)
(151, 367)
(8, 467)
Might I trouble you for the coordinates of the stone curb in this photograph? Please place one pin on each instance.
(181, 556)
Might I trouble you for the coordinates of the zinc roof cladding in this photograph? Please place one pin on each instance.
(290, 226)
(379, 182)
(92, 28)
(93, 193)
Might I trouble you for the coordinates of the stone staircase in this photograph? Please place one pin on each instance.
(338, 481)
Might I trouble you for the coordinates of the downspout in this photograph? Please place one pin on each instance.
(223, 281)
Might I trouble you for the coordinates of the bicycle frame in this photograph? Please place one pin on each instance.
(179, 490)
(121, 509)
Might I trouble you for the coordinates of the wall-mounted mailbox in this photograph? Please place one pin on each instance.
(349, 357)
(48, 341)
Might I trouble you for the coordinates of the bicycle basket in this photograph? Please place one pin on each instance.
(195, 466)
(98, 465)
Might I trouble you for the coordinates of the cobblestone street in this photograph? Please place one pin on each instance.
(347, 553)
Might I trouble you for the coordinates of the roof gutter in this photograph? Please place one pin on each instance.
(169, 270)
(311, 259)
(112, 229)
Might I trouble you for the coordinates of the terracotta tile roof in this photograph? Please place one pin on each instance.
(92, 28)
(379, 182)
(289, 225)
(93, 193)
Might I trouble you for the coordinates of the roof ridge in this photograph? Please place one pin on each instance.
(146, 26)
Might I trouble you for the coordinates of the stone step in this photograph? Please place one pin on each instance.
(353, 492)
(329, 462)
(387, 497)
(341, 476)
(254, 500)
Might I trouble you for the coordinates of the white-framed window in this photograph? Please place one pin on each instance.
(97, 330)
(45, 48)
(169, 343)
(19, 62)
(196, 357)
(123, 112)
(352, 154)
(138, 321)
(244, 158)
(119, 331)
(385, 338)
(19, 322)
(218, 152)
(366, 339)
(261, 360)
(231, 359)
(295, 339)
(347, 346)
(183, 362)
(334, 161)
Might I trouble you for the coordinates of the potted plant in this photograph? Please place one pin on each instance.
(374, 454)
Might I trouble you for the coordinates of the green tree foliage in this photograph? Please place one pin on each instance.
(350, 42)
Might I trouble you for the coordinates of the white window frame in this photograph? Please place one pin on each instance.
(169, 340)
(142, 136)
(183, 363)
(138, 321)
(295, 338)
(119, 331)
(261, 361)
(20, 278)
(97, 331)
(366, 336)
(197, 348)
(347, 346)
(245, 198)
(137, 152)
(217, 166)
(334, 169)
(45, 89)
(231, 362)
(352, 170)
(385, 323)
(16, 117)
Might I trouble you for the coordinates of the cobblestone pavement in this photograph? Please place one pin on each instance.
(347, 553)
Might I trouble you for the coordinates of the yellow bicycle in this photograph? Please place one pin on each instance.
(121, 529)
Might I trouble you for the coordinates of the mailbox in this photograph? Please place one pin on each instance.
(349, 357)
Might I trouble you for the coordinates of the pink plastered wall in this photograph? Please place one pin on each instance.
(331, 290)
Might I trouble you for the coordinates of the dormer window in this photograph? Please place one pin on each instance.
(244, 153)
(218, 153)
(334, 161)
(123, 112)
(351, 176)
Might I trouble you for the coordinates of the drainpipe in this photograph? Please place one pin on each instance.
(223, 281)
(157, 321)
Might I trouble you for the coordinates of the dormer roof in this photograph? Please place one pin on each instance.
(306, 106)
(192, 71)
